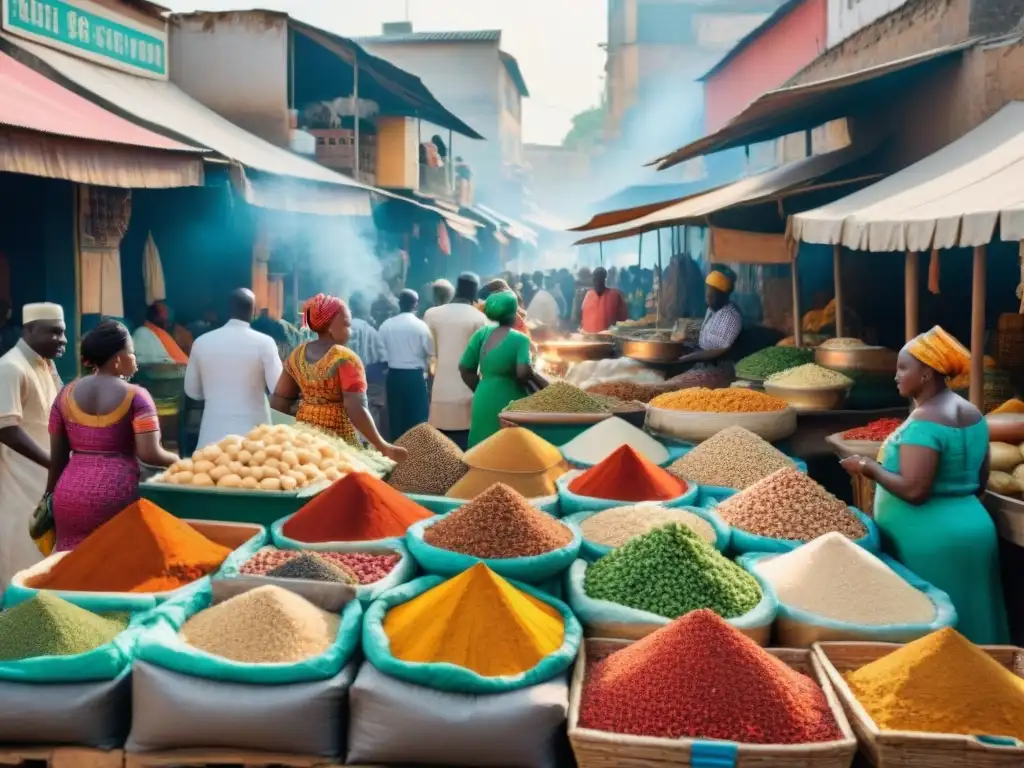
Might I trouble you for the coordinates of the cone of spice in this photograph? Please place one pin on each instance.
(516, 457)
(701, 678)
(359, 507)
(499, 523)
(140, 549)
(628, 476)
(311, 567)
(46, 625)
(434, 464)
(367, 567)
(477, 621)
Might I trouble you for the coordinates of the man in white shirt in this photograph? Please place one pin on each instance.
(544, 307)
(231, 369)
(452, 325)
(409, 346)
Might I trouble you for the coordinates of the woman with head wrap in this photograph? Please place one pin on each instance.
(496, 365)
(328, 380)
(930, 473)
(498, 286)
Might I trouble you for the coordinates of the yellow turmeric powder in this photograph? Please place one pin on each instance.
(732, 400)
(1013, 405)
(478, 621)
(941, 683)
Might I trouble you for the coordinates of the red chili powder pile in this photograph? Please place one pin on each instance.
(628, 476)
(140, 549)
(701, 678)
(359, 507)
(876, 431)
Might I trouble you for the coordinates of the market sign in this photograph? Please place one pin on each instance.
(90, 31)
(848, 16)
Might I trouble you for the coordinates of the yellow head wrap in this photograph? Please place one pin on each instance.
(719, 280)
(939, 350)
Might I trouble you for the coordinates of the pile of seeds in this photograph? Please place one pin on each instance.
(833, 577)
(498, 523)
(614, 527)
(596, 443)
(810, 376)
(770, 360)
(626, 390)
(698, 677)
(670, 572)
(368, 568)
(434, 464)
(266, 625)
(843, 342)
(559, 397)
(46, 625)
(732, 400)
(789, 505)
(733, 458)
(312, 568)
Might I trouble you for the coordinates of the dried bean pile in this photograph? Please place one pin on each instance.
(559, 397)
(614, 527)
(46, 625)
(670, 572)
(626, 390)
(266, 625)
(498, 523)
(789, 505)
(434, 465)
(810, 376)
(732, 400)
(312, 568)
(700, 678)
(765, 362)
(733, 458)
(833, 577)
(367, 567)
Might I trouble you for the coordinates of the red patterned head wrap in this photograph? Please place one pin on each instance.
(321, 310)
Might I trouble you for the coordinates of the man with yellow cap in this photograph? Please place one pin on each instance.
(28, 387)
(722, 322)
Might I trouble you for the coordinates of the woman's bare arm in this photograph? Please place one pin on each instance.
(355, 407)
(60, 454)
(149, 450)
(285, 393)
(913, 483)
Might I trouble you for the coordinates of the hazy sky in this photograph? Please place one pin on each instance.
(555, 42)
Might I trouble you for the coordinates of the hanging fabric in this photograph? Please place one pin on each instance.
(933, 272)
(101, 282)
(103, 217)
(153, 273)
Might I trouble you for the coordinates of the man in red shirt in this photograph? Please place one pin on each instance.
(602, 306)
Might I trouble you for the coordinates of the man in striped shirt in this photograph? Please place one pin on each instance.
(722, 323)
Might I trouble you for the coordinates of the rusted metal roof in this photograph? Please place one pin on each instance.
(472, 36)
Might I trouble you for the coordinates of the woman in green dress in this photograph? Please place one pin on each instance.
(496, 366)
(932, 470)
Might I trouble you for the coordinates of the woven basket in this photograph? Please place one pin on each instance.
(907, 749)
(1010, 341)
(600, 749)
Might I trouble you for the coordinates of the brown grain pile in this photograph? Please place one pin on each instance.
(733, 458)
(499, 523)
(789, 505)
(266, 625)
(434, 465)
(627, 390)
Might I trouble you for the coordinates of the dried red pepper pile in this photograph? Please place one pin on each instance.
(699, 677)
(875, 431)
(365, 566)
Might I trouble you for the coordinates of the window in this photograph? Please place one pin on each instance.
(669, 23)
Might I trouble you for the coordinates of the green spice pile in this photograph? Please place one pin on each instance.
(810, 376)
(313, 568)
(434, 464)
(733, 458)
(559, 397)
(771, 360)
(670, 572)
(46, 625)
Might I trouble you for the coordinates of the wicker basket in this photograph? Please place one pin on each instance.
(906, 749)
(1010, 341)
(599, 749)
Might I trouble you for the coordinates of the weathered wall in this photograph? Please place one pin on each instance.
(995, 17)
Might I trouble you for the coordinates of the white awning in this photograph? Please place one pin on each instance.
(952, 198)
(166, 107)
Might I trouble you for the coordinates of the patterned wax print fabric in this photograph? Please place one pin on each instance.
(323, 385)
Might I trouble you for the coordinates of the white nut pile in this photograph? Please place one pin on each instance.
(614, 527)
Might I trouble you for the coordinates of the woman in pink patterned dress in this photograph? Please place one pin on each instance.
(100, 428)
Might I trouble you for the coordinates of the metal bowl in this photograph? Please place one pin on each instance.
(866, 359)
(651, 351)
(576, 351)
(810, 398)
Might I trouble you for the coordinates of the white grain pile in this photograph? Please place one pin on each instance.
(598, 442)
(732, 458)
(834, 578)
(614, 527)
(266, 625)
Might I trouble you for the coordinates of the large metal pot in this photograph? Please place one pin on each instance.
(865, 359)
(574, 351)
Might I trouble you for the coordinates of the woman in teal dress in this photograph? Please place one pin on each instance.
(496, 366)
(932, 470)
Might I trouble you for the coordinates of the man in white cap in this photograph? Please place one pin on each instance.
(28, 387)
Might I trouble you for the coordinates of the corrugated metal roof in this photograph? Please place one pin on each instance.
(471, 36)
(802, 107)
(512, 67)
(32, 101)
(779, 14)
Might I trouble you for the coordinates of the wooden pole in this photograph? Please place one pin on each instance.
(837, 270)
(600, 250)
(355, 112)
(640, 248)
(798, 329)
(978, 327)
(912, 295)
(657, 296)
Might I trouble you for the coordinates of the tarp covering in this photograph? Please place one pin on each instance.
(764, 186)
(59, 134)
(952, 198)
